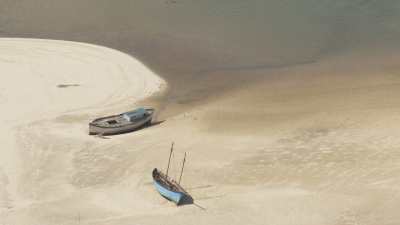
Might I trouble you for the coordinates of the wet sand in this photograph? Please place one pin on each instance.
(289, 114)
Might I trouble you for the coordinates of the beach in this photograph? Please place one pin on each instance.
(313, 156)
(50, 91)
(288, 111)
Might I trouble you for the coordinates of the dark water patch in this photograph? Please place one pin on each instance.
(67, 85)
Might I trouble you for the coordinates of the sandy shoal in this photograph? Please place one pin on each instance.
(310, 144)
(47, 84)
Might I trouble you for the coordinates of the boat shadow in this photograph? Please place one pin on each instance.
(186, 200)
(151, 124)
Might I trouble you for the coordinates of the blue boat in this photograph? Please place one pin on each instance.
(169, 188)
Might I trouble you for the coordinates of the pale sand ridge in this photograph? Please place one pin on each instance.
(47, 86)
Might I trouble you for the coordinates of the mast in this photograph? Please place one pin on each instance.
(170, 154)
(183, 165)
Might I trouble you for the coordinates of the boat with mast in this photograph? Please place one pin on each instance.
(168, 187)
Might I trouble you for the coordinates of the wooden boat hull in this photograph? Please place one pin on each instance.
(176, 196)
(95, 129)
(170, 195)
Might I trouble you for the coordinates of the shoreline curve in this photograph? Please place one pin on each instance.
(46, 79)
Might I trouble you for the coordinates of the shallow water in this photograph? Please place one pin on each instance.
(187, 41)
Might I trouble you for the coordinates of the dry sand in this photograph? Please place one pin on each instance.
(49, 92)
(310, 144)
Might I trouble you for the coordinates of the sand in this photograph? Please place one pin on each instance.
(288, 111)
(49, 92)
(303, 145)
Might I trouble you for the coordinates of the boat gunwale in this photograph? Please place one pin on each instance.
(168, 183)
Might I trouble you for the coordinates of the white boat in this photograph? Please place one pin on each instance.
(122, 123)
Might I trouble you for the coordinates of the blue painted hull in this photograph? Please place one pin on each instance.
(171, 195)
